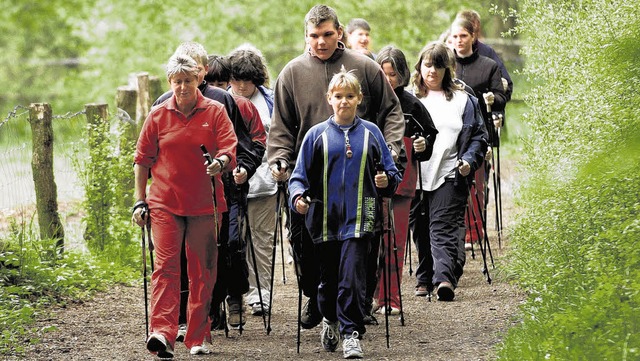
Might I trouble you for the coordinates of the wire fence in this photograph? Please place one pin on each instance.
(17, 190)
(33, 140)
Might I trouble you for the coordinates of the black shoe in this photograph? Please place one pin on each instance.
(311, 316)
(218, 318)
(370, 319)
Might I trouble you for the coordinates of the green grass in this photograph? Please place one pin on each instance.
(33, 279)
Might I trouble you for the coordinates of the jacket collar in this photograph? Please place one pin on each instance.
(333, 123)
(334, 57)
(171, 104)
(470, 59)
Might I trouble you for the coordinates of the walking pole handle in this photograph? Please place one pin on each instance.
(485, 96)
(205, 154)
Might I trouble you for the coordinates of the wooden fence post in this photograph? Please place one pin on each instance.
(126, 99)
(143, 107)
(155, 89)
(40, 115)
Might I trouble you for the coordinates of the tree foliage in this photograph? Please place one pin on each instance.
(576, 242)
(70, 53)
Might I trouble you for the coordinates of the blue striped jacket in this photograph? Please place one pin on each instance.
(346, 203)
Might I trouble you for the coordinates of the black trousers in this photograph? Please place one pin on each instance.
(438, 233)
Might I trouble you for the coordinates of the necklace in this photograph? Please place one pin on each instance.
(347, 144)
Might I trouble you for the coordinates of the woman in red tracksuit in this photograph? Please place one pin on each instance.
(180, 202)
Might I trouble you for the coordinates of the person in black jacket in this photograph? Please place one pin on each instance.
(484, 76)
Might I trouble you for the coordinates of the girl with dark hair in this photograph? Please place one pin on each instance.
(457, 152)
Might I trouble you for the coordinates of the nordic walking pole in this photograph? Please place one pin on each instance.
(395, 256)
(307, 199)
(282, 210)
(144, 274)
(150, 241)
(487, 245)
(279, 215)
(209, 160)
(468, 218)
(483, 250)
(386, 277)
(241, 227)
(295, 266)
(499, 183)
(277, 231)
(484, 228)
(496, 196)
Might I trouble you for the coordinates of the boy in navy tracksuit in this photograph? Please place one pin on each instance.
(343, 169)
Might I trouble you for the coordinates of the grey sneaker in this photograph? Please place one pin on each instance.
(351, 346)
(330, 335)
(158, 345)
(182, 331)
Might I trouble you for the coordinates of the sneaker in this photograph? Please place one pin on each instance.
(351, 346)
(311, 316)
(468, 246)
(330, 335)
(158, 345)
(182, 331)
(392, 311)
(200, 350)
(445, 291)
(421, 290)
(256, 309)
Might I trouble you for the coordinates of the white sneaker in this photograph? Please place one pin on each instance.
(330, 335)
(351, 346)
(394, 311)
(182, 332)
(200, 350)
(157, 344)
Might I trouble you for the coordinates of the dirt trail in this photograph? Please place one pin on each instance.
(111, 326)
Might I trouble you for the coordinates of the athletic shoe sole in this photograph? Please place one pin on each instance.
(160, 348)
(445, 292)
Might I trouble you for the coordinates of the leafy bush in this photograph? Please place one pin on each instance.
(107, 175)
(32, 277)
(576, 242)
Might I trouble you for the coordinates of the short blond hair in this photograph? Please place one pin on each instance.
(344, 79)
(181, 63)
(195, 51)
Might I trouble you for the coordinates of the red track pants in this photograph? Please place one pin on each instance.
(401, 208)
(169, 231)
